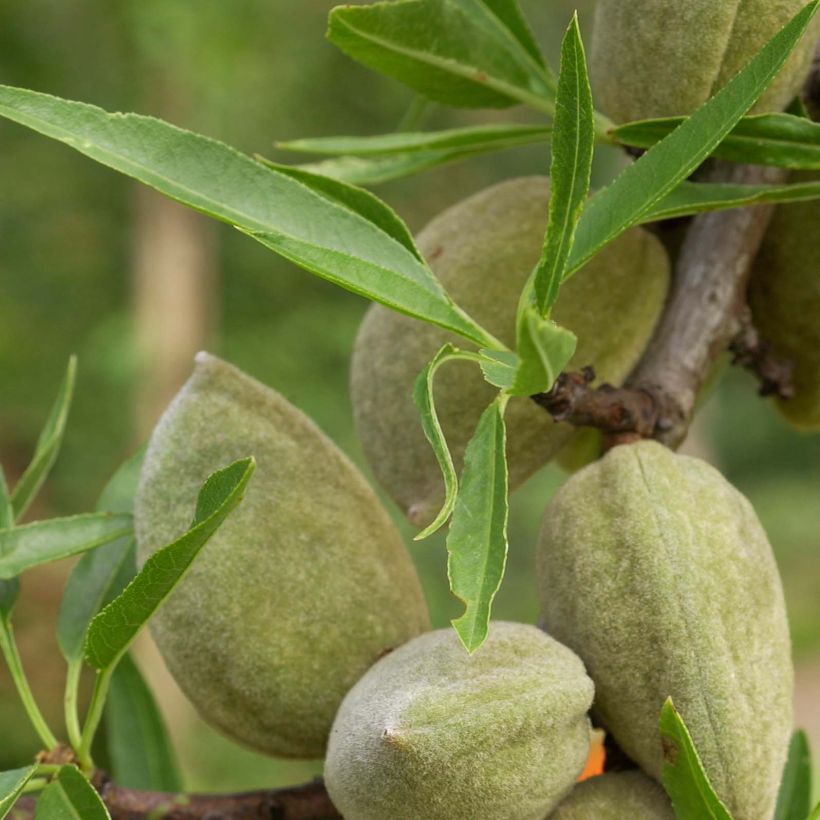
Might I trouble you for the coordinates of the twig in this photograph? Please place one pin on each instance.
(702, 317)
(611, 409)
(703, 312)
(307, 802)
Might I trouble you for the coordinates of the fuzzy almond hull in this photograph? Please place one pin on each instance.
(298, 593)
(657, 572)
(433, 732)
(665, 58)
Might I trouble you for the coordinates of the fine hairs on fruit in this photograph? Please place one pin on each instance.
(616, 796)
(665, 58)
(483, 250)
(433, 732)
(305, 585)
(657, 572)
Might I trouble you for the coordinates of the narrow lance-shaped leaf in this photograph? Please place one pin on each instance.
(305, 226)
(70, 797)
(372, 171)
(12, 784)
(698, 197)
(459, 52)
(138, 744)
(794, 798)
(782, 140)
(102, 574)
(472, 138)
(31, 545)
(357, 200)
(509, 12)
(573, 144)
(423, 396)
(683, 775)
(9, 589)
(544, 350)
(48, 445)
(499, 368)
(644, 183)
(112, 631)
(477, 541)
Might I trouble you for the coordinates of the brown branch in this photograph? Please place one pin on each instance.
(611, 409)
(703, 313)
(702, 317)
(307, 802)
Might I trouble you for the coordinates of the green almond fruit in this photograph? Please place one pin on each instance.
(433, 732)
(784, 294)
(298, 593)
(665, 58)
(483, 250)
(657, 572)
(616, 796)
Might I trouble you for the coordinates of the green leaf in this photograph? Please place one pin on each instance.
(472, 138)
(509, 12)
(6, 507)
(815, 815)
(9, 589)
(102, 574)
(305, 226)
(357, 200)
(544, 350)
(138, 745)
(48, 445)
(12, 784)
(119, 493)
(464, 53)
(96, 580)
(477, 541)
(9, 592)
(70, 797)
(657, 173)
(794, 799)
(573, 143)
(683, 775)
(499, 368)
(424, 399)
(697, 197)
(782, 140)
(372, 171)
(115, 627)
(22, 548)
(381, 284)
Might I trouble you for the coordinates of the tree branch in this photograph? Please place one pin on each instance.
(702, 317)
(706, 315)
(703, 312)
(616, 410)
(307, 802)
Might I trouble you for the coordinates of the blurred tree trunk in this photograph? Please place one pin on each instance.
(174, 287)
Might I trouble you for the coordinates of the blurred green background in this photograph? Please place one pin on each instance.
(133, 284)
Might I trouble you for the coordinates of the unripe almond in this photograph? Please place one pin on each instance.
(298, 593)
(784, 293)
(432, 732)
(616, 796)
(665, 58)
(657, 572)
